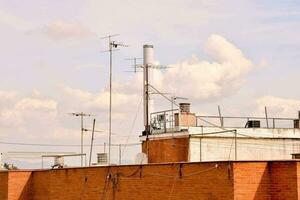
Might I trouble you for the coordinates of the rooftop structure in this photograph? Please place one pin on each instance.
(195, 138)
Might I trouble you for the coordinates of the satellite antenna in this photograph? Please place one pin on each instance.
(113, 45)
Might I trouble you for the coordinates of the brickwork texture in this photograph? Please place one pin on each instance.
(179, 181)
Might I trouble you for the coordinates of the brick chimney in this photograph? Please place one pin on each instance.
(185, 117)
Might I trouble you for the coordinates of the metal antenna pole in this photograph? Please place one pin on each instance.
(147, 128)
(113, 45)
(81, 141)
(81, 115)
(110, 97)
(92, 141)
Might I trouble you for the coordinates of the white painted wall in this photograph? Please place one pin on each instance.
(266, 144)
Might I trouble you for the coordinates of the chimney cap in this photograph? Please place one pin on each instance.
(189, 104)
(184, 107)
(148, 46)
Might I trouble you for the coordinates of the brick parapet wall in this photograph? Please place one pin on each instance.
(206, 180)
(3, 185)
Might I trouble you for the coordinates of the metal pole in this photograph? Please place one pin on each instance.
(92, 141)
(235, 143)
(172, 107)
(165, 122)
(147, 100)
(267, 120)
(110, 97)
(120, 154)
(220, 116)
(134, 65)
(200, 152)
(81, 150)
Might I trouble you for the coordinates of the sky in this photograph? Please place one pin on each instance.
(242, 55)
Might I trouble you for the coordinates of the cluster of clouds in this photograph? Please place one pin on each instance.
(202, 80)
(23, 114)
(279, 107)
(198, 79)
(61, 30)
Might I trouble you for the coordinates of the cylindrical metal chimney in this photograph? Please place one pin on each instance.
(148, 61)
(148, 54)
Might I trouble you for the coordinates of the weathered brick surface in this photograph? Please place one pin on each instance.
(180, 181)
(284, 180)
(251, 180)
(19, 185)
(3, 185)
(167, 150)
(174, 181)
(266, 180)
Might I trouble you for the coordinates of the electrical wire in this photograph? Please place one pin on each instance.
(132, 125)
(59, 145)
(163, 95)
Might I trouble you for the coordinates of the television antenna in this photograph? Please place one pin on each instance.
(112, 46)
(81, 115)
(135, 65)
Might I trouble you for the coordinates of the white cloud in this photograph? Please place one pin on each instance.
(14, 21)
(278, 107)
(36, 105)
(204, 80)
(27, 114)
(7, 95)
(60, 30)
(99, 102)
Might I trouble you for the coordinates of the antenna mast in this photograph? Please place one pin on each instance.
(81, 115)
(113, 45)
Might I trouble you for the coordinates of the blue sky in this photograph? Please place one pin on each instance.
(52, 63)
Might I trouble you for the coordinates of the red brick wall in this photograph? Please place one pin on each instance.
(298, 178)
(229, 180)
(266, 180)
(19, 185)
(167, 150)
(164, 181)
(146, 182)
(3, 185)
(284, 180)
(251, 180)
(41, 185)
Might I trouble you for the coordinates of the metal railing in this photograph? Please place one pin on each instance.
(163, 121)
(242, 122)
